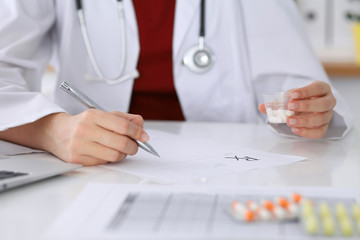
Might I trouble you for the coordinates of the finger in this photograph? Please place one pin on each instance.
(313, 133)
(321, 104)
(86, 161)
(105, 137)
(310, 120)
(262, 108)
(115, 141)
(99, 151)
(127, 128)
(315, 89)
(119, 125)
(134, 118)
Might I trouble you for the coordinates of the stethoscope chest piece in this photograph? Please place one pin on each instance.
(199, 59)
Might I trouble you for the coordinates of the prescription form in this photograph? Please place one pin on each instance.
(109, 211)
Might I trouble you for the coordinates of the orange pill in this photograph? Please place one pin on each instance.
(251, 205)
(283, 202)
(279, 213)
(237, 207)
(293, 211)
(268, 205)
(234, 204)
(296, 197)
(263, 214)
(249, 216)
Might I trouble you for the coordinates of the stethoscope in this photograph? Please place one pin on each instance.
(198, 58)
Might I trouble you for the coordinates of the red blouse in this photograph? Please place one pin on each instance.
(154, 95)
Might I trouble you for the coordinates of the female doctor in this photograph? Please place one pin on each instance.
(199, 62)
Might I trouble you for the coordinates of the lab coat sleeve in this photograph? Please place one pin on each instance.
(25, 49)
(341, 122)
(281, 58)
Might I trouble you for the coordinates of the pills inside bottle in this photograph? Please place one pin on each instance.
(276, 107)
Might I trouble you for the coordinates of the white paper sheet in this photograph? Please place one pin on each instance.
(187, 158)
(111, 211)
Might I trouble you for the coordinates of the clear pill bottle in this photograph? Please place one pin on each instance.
(276, 107)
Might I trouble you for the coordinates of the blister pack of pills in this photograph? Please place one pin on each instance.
(280, 208)
(337, 218)
(331, 218)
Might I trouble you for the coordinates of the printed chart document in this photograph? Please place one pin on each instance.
(188, 158)
(113, 211)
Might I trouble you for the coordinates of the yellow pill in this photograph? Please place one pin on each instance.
(328, 226)
(324, 210)
(358, 226)
(346, 227)
(307, 209)
(356, 211)
(340, 211)
(311, 225)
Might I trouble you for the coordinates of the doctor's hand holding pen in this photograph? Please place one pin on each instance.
(90, 138)
(313, 106)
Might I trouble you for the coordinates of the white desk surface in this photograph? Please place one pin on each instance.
(26, 212)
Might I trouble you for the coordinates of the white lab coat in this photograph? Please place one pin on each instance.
(260, 47)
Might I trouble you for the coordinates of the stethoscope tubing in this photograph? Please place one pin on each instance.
(189, 59)
(92, 58)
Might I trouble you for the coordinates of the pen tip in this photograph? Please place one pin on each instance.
(147, 147)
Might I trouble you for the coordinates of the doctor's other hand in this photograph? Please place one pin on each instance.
(313, 106)
(95, 137)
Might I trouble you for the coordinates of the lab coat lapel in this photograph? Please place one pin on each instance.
(185, 12)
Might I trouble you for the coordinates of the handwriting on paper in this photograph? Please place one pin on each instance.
(246, 158)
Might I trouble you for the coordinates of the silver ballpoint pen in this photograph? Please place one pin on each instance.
(78, 95)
